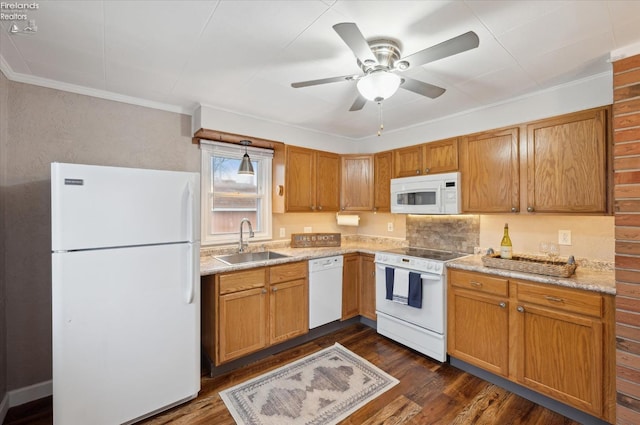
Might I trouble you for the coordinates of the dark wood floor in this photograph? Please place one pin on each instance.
(428, 393)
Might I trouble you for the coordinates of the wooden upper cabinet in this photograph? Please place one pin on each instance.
(327, 181)
(490, 170)
(440, 157)
(357, 185)
(300, 179)
(407, 161)
(382, 172)
(312, 180)
(567, 163)
(427, 158)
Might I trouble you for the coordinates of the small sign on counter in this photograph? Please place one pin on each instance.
(310, 240)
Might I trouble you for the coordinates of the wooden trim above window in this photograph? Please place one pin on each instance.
(220, 136)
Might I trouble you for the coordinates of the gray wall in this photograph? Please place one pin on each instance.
(43, 126)
(4, 83)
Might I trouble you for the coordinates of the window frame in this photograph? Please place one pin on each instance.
(264, 180)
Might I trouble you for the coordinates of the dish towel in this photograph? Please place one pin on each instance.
(415, 290)
(388, 271)
(401, 286)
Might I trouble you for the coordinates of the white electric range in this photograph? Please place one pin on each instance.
(422, 328)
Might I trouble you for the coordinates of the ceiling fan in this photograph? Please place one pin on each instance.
(381, 59)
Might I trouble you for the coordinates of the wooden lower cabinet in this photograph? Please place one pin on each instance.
(242, 328)
(557, 341)
(367, 286)
(246, 311)
(478, 330)
(350, 286)
(289, 302)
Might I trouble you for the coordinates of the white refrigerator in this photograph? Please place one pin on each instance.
(125, 292)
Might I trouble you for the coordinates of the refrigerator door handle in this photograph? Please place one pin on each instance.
(191, 265)
(190, 210)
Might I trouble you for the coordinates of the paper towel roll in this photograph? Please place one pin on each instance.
(348, 220)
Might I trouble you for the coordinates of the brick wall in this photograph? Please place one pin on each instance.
(626, 163)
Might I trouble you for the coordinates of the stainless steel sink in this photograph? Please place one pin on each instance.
(248, 257)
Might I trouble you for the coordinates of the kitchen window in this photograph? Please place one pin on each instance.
(228, 197)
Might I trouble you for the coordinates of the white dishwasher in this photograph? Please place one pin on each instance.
(325, 290)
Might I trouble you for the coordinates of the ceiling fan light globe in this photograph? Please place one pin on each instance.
(378, 86)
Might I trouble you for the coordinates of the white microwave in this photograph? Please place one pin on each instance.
(428, 194)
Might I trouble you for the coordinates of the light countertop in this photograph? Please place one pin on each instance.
(210, 265)
(587, 278)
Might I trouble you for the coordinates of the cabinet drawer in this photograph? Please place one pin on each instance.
(285, 272)
(239, 281)
(571, 300)
(479, 282)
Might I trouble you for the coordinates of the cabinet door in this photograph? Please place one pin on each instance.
(440, 157)
(327, 181)
(479, 330)
(299, 191)
(242, 323)
(383, 171)
(561, 355)
(407, 162)
(350, 289)
(356, 187)
(367, 286)
(489, 165)
(566, 163)
(289, 310)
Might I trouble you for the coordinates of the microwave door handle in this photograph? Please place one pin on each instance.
(439, 201)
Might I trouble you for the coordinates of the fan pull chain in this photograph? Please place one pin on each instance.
(380, 116)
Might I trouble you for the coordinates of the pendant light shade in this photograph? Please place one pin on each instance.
(379, 85)
(245, 165)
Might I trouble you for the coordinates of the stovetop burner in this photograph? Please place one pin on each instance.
(430, 254)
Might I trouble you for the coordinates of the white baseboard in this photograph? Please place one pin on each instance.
(4, 407)
(32, 392)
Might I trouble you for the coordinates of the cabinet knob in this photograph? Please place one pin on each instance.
(530, 209)
(417, 171)
(426, 170)
(313, 207)
(264, 291)
(514, 209)
(320, 207)
(520, 309)
(503, 304)
(274, 289)
(375, 209)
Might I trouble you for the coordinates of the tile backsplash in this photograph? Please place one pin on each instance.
(459, 233)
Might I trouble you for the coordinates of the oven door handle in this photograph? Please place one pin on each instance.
(423, 276)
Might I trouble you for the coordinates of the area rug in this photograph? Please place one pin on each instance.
(320, 389)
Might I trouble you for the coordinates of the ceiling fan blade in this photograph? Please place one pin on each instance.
(324, 81)
(354, 39)
(419, 87)
(453, 46)
(358, 104)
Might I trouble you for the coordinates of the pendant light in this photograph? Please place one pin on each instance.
(245, 165)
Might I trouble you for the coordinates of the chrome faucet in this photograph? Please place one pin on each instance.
(242, 245)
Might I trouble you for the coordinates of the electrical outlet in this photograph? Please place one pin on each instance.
(564, 237)
(282, 233)
(390, 226)
(308, 230)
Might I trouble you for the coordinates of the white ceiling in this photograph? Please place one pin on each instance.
(242, 56)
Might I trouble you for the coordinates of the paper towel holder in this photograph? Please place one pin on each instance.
(347, 219)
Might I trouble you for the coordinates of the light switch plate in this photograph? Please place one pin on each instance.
(282, 232)
(564, 237)
(390, 226)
